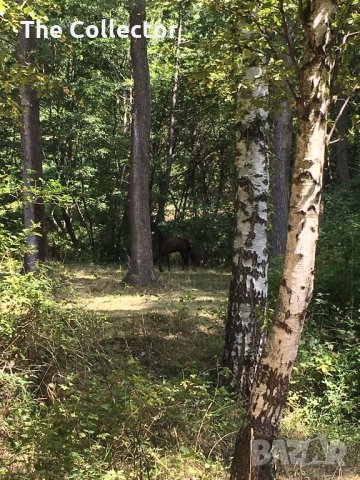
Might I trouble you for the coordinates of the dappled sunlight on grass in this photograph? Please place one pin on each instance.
(174, 331)
(99, 289)
(177, 323)
(119, 304)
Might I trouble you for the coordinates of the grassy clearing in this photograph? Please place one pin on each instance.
(128, 385)
(175, 326)
(176, 329)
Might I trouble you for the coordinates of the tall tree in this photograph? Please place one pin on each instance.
(32, 156)
(141, 272)
(280, 189)
(270, 387)
(248, 289)
(164, 184)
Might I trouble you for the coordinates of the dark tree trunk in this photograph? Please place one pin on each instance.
(189, 176)
(221, 179)
(141, 272)
(164, 184)
(283, 141)
(32, 160)
(70, 228)
(341, 146)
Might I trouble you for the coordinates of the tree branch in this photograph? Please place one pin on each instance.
(287, 36)
(347, 35)
(276, 55)
(342, 109)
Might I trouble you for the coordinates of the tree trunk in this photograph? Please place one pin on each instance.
(87, 220)
(283, 141)
(70, 228)
(248, 288)
(270, 387)
(166, 177)
(341, 146)
(141, 272)
(57, 225)
(32, 160)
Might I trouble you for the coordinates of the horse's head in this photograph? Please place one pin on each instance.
(157, 234)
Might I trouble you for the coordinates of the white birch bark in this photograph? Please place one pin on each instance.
(248, 288)
(270, 387)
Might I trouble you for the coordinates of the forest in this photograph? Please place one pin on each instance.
(179, 240)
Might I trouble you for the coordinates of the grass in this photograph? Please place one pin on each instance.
(175, 326)
(143, 400)
(174, 329)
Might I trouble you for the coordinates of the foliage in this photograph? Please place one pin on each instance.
(78, 405)
(324, 394)
(331, 389)
(85, 90)
(74, 403)
(338, 262)
(210, 236)
(74, 406)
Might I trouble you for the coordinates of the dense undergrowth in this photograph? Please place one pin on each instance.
(74, 404)
(79, 400)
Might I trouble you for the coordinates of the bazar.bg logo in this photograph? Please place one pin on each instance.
(313, 452)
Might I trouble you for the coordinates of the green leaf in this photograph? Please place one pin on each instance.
(3, 8)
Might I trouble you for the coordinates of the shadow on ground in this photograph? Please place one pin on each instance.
(175, 325)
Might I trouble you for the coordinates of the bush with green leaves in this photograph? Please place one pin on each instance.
(75, 406)
(45, 346)
(338, 261)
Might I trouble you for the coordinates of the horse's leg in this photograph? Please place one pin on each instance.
(185, 258)
(160, 263)
(168, 261)
(192, 257)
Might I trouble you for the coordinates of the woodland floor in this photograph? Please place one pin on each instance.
(176, 325)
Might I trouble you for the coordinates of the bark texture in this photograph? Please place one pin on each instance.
(32, 159)
(283, 142)
(69, 227)
(270, 387)
(141, 272)
(248, 288)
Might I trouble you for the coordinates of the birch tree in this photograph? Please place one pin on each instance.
(270, 387)
(248, 289)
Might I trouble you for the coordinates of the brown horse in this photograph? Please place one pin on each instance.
(168, 245)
